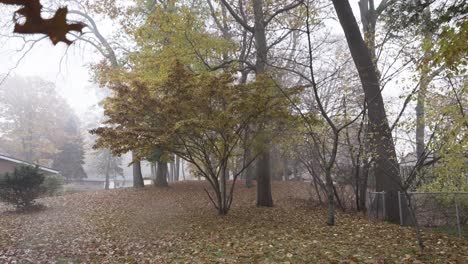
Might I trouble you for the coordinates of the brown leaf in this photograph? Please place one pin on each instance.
(56, 28)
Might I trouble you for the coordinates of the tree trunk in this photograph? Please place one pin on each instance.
(264, 197)
(285, 168)
(275, 160)
(106, 187)
(317, 190)
(386, 165)
(330, 199)
(424, 81)
(137, 176)
(177, 168)
(161, 174)
(183, 169)
(420, 112)
(153, 169)
(223, 205)
(369, 20)
(364, 176)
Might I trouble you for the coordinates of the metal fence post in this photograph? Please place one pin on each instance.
(369, 207)
(383, 201)
(458, 215)
(399, 208)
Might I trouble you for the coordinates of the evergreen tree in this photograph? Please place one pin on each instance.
(70, 158)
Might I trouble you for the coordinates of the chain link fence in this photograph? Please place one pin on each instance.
(444, 211)
(376, 205)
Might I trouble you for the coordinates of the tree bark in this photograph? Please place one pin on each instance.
(183, 169)
(285, 168)
(223, 205)
(364, 176)
(386, 165)
(137, 176)
(264, 197)
(172, 171)
(177, 168)
(109, 155)
(161, 174)
(424, 81)
(330, 198)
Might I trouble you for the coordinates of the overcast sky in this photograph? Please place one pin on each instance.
(67, 68)
(68, 71)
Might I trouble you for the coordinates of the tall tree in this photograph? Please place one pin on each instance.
(33, 120)
(104, 47)
(260, 23)
(70, 157)
(386, 164)
(163, 31)
(159, 158)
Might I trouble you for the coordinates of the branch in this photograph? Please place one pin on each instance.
(382, 6)
(2, 80)
(239, 20)
(110, 52)
(211, 199)
(282, 10)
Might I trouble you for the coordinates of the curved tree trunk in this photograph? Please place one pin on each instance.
(386, 165)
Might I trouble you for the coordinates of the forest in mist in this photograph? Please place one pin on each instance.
(362, 103)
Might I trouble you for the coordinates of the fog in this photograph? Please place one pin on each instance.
(251, 131)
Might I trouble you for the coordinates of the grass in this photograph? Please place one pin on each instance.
(179, 225)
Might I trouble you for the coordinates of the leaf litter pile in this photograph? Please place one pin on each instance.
(179, 225)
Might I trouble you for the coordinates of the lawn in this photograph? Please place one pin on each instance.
(179, 225)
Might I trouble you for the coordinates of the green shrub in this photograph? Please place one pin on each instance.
(21, 187)
(53, 184)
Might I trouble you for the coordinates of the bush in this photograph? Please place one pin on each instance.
(53, 184)
(21, 187)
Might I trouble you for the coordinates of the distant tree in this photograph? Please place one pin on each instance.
(70, 158)
(159, 158)
(107, 165)
(33, 119)
(260, 15)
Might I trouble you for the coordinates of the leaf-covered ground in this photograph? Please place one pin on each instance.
(178, 225)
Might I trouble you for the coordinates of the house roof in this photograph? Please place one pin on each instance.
(22, 162)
